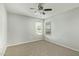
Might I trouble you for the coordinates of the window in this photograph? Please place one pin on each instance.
(39, 28)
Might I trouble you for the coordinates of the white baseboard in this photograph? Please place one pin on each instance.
(46, 40)
(22, 43)
(61, 44)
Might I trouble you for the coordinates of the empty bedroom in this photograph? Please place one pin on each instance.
(39, 29)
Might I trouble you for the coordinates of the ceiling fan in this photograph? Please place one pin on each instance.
(41, 8)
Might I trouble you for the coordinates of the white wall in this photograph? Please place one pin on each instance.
(3, 29)
(21, 29)
(65, 29)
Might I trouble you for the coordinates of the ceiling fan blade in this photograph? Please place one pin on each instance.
(47, 9)
(32, 8)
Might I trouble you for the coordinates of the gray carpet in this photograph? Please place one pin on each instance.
(39, 48)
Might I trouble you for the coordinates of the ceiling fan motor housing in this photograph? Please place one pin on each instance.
(40, 7)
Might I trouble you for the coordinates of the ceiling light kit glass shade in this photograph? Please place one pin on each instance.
(39, 13)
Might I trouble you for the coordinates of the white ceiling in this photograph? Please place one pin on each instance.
(24, 8)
